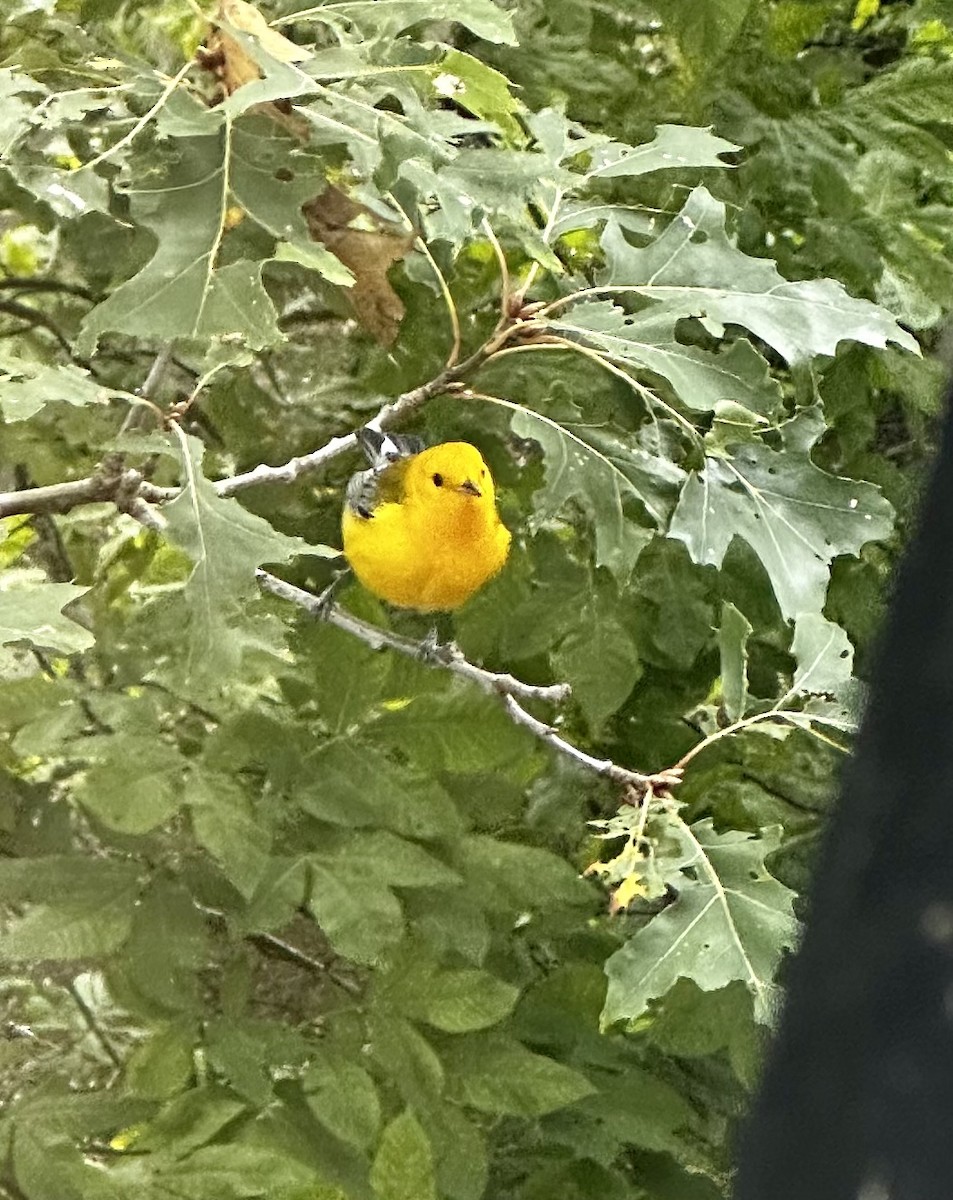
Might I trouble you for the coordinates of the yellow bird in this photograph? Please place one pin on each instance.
(420, 527)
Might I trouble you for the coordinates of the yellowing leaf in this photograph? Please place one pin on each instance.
(236, 67)
(126, 1137)
(626, 892)
(864, 12)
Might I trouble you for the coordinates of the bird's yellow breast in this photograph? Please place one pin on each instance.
(431, 549)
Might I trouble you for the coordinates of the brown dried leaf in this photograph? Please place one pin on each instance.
(368, 246)
(227, 58)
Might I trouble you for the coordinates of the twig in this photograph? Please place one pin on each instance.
(772, 714)
(505, 289)
(32, 316)
(603, 767)
(102, 485)
(270, 944)
(47, 285)
(156, 371)
(449, 658)
(387, 415)
(93, 1025)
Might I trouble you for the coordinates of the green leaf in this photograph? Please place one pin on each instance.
(825, 657)
(460, 730)
(599, 659)
(704, 381)
(609, 487)
(480, 90)
(407, 1058)
(461, 1153)
(165, 952)
(733, 647)
(185, 290)
(92, 920)
(356, 785)
(225, 826)
(693, 269)
(33, 612)
(27, 387)
(135, 786)
(359, 916)
(497, 1075)
(673, 147)
(351, 880)
(706, 30)
(403, 1167)
(315, 258)
(730, 920)
(344, 1099)
(161, 1066)
(227, 543)
(796, 517)
(388, 18)
(464, 1000)
(508, 877)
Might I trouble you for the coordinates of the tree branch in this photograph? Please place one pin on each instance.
(32, 316)
(104, 485)
(604, 767)
(447, 657)
(47, 285)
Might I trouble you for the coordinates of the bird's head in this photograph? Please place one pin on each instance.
(452, 473)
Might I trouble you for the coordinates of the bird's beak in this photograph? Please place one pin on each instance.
(469, 488)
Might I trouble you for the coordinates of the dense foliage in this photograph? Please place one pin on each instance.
(285, 915)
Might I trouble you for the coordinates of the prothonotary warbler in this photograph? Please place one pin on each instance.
(420, 527)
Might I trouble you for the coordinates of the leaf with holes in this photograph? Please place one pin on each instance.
(219, 181)
(796, 517)
(825, 657)
(673, 147)
(730, 919)
(620, 487)
(694, 270)
(703, 380)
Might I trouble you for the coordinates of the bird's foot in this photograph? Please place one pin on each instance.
(324, 601)
(432, 650)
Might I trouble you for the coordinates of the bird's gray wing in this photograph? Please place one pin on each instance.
(383, 449)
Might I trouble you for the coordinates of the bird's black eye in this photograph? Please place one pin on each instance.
(438, 480)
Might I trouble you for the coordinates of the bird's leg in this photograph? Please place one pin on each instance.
(430, 648)
(324, 601)
(434, 651)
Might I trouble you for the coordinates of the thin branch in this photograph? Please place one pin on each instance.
(58, 497)
(445, 292)
(547, 234)
(89, 1017)
(447, 657)
(786, 717)
(387, 415)
(268, 943)
(156, 371)
(603, 767)
(47, 285)
(32, 316)
(505, 288)
(104, 484)
(126, 489)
